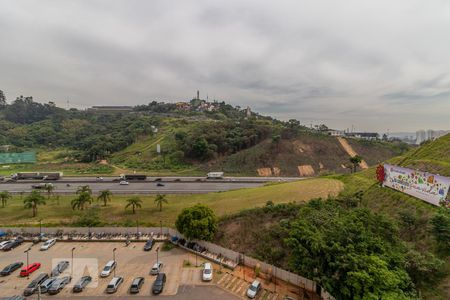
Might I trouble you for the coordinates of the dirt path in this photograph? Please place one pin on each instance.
(351, 152)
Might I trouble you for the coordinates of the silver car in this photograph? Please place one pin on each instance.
(156, 268)
(59, 268)
(47, 284)
(114, 284)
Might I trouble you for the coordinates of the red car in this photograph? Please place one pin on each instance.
(29, 269)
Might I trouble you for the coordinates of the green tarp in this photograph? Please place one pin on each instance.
(18, 158)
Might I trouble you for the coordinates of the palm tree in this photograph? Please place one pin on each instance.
(355, 160)
(33, 200)
(105, 196)
(49, 188)
(81, 201)
(5, 196)
(159, 200)
(134, 202)
(84, 189)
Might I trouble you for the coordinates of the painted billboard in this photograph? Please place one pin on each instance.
(426, 186)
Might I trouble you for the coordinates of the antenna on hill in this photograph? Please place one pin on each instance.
(68, 104)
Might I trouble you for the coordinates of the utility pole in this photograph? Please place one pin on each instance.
(114, 259)
(26, 251)
(157, 255)
(73, 249)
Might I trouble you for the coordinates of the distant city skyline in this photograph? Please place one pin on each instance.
(376, 65)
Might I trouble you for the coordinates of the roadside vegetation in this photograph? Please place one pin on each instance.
(67, 210)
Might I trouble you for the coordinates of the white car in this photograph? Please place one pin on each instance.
(48, 244)
(123, 182)
(109, 267)
(156, 268)
(207, 274)
(253, 289)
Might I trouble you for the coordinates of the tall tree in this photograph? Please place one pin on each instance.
(84, 189)
(2, 99)
(197, 222)
(80, 202)
(105, 196)
(355, 160)
(49, 188)
(134, 202)
(5, 196)
(33, 200)
(159, 200)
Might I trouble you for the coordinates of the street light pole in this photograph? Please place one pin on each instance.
(160, 226)
(26, 251)
(114, 259)
(73, 249)
(137, 229)
(40, 229)
(157, 255)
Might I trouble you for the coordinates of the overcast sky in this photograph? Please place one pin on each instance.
(377, 65)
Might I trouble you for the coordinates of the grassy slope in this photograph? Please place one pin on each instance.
(433, 156)
(223, 203)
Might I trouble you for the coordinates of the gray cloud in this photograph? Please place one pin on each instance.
(375, 65)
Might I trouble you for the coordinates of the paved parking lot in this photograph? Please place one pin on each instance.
(90, 258)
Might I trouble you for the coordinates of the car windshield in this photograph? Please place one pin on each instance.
(207, 271)
(253, 288)
(107, 268)
(110, 286)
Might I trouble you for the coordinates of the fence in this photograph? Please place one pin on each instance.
(239, 258)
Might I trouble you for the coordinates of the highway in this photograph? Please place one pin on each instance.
(140, 187)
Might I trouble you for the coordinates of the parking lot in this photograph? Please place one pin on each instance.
(90, 258)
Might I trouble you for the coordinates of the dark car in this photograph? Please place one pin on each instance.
(136, 285)
(158, 285)
(81, 284)
(13, 244)
(148, 245)
(160, 184)
(15, 298)
(11, 268)
(60, 267)
(34, 285)
(58, 285)
(47, 284)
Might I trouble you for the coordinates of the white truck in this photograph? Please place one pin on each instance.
(214, 175)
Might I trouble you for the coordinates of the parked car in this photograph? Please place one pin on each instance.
(59, 284)
(17, 297)
(11, 268)
(156, 268)
(4, 243)
(207, 274)
(109, 267)
(13, 244)
(159, 283)
(49, 243)
(136, 285)
(81, 284)
(148, 245)
(33, 286)
(60, 267)
(29, 269)
(254, 289)
(47, 284)
(123, 182)
(114, 284)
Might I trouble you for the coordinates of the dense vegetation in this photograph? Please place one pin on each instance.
(349, 250)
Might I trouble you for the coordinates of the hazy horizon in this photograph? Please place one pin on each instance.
(375, 66)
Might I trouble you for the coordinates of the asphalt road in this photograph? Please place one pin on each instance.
(136, 187)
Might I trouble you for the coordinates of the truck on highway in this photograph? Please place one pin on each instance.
(37, 175)
(214, 175)
(127, 177)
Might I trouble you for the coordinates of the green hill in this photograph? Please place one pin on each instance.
(432, 156)
(427, 261)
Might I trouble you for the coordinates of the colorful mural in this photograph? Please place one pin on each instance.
(429, 187)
